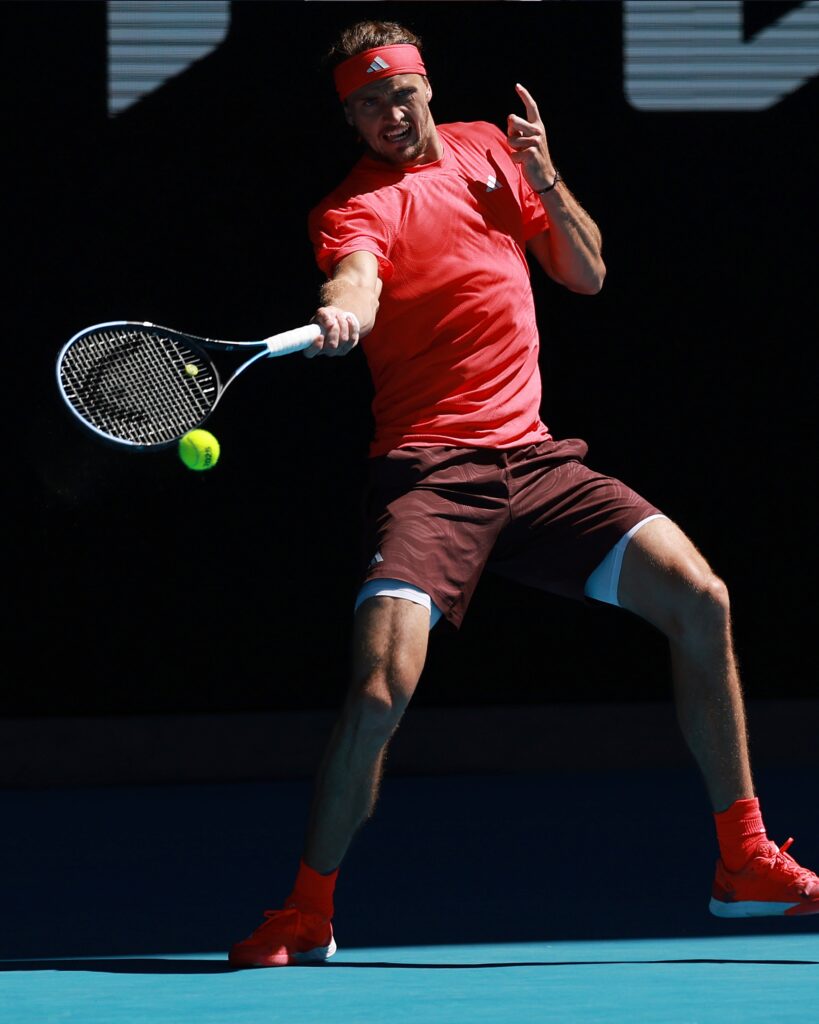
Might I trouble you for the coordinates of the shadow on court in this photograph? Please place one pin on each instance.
(150, 965)
(136, 965)
(130, 871)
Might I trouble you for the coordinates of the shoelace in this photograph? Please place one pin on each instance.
(782, 859)
(288, 912)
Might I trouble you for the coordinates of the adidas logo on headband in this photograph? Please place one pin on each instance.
(379, 64)
(375, 64)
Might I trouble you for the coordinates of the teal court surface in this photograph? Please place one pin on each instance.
(569, 897)
(754, 978)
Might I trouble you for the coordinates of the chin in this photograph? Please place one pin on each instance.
(397, 159)
(412, 154)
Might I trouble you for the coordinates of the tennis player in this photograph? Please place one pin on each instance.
(425, 242)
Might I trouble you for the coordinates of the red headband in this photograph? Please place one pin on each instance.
(371, 65)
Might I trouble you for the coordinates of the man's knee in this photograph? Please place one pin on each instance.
(378, 699)
(389, 645)
(667, 581)
(702, 609)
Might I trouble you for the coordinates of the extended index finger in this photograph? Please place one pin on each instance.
(532, 113)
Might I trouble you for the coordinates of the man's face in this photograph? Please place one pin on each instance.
(392, 117)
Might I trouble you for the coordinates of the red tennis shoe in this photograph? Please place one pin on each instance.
(770, 884)
(284, 938)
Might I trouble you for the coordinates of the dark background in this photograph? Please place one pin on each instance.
(138, 586)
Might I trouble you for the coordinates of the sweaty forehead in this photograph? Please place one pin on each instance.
(386, 87)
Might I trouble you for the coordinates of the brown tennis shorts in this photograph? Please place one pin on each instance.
(437, 517)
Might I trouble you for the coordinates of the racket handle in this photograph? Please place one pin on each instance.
(292, 341)
(300, 338)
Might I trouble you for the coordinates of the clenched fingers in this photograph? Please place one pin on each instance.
(339, 332)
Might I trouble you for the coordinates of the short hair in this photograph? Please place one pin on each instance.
(367, 35)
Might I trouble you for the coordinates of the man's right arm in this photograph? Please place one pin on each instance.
(354, 288)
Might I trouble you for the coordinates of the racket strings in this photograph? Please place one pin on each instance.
(138, 385)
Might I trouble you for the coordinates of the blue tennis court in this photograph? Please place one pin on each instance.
(492, 898)
(754, 978)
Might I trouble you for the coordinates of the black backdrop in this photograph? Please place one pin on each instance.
(136, 585)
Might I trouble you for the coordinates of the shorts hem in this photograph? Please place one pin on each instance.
(448, 609)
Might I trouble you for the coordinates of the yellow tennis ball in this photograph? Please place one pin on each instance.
(199, 449)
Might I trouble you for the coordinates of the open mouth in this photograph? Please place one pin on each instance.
(398, 135)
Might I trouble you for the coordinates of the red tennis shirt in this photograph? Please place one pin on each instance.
(453, 354)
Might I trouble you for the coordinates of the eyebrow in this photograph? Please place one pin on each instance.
(380, 94)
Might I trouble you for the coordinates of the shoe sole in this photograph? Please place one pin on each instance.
(315, 955)
(311, 956)
(760, 908)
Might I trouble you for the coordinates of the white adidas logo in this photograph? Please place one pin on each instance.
(492, 184)
(379, 64)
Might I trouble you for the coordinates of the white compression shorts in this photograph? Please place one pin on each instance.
(602, 584)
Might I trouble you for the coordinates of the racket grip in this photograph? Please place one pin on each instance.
(292, 341)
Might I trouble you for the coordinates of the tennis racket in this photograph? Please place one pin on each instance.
(145, 386)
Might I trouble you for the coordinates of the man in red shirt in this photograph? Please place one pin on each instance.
(424, 247)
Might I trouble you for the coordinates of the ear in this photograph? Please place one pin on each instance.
(429, 89)
(348, 117)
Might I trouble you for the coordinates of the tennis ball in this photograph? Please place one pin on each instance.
(199, 449)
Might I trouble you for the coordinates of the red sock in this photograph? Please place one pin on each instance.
(739, 830)
(313, 891)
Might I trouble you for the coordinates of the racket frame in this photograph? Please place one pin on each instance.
(280, 344)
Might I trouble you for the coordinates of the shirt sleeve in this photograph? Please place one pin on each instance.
(338, 231)
(535, 219)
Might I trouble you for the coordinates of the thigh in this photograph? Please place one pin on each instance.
(389, 649)
(664, 576)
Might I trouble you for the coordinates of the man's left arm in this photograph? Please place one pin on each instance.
(571, 250)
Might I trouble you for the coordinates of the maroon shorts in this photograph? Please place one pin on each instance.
(437, 517)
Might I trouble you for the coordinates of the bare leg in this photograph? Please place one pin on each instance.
(667, 582)
(389, 648)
